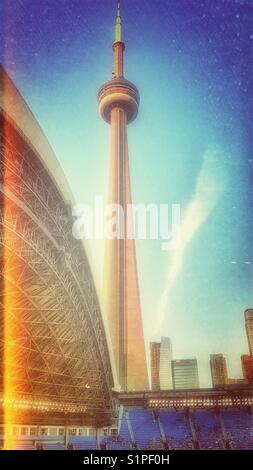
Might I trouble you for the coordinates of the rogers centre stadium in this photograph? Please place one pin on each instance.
(59, 388)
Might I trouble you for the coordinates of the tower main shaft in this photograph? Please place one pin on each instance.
(118, 105)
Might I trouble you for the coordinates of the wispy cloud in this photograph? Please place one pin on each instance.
(209, 186)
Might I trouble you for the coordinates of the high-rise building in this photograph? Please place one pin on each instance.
(247, 367)
(118, 101)
(165, 371)
(248, 315)
(185, 374)
(155, 365)
(233, 381)
(161, 364)
(218, 366)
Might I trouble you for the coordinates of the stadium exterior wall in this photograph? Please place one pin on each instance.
(36, 210)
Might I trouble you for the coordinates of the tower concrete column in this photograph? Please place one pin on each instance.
(118, 105)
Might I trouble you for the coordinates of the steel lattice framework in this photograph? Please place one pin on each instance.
(61, 352)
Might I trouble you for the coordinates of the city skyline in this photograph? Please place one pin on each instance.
(162, 364)
(200, 105)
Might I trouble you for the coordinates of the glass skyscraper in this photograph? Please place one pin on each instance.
(218, 366)
(185, 374)
(165, 372)
(155, 365)
(161, 368)
(248, 315)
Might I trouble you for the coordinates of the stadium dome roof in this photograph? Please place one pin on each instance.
(53, 327)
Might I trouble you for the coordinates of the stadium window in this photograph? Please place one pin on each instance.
(32, 431)
(24, 431)
(15, 431)
(53, 431)
(44, 431)
(72, 431)
(61, 432)
(114, 432)
(92, 432)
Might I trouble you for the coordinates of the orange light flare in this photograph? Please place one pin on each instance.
(10, 277)
(13, 380)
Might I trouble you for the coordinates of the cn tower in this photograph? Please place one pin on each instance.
(118, 102)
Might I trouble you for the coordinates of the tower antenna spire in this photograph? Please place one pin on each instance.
(118, 29)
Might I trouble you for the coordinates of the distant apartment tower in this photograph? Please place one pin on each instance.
(161, 368)
(218, 366)
(232, 381)
(165, 372)
(155, 365)
(247, 367)
(185, 374)
(248, 315)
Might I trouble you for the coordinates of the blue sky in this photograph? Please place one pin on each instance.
(191, 144)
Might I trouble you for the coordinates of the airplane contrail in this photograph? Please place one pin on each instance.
(210, 184)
